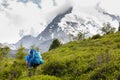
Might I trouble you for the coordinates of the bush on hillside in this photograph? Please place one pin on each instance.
(13, 70)
(119, 27)
(96, 36)
(4, 52)
(41, 77)
(20, 53)
(55, 44)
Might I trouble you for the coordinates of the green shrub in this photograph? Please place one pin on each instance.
(90, 59)
(55, 44)
(41, 77)
(20, 53)
(96, 36)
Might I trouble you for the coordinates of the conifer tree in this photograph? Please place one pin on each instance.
(119, 27)
(55, 44)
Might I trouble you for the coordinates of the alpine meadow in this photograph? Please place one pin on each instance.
(96, 58)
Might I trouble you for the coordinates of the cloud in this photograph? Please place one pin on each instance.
(18, 19)
(21, 33)
(112, 6)
(19, 16)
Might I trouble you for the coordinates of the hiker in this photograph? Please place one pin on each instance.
(33, 59)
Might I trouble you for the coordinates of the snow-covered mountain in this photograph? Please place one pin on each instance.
(64, 18)
(45, 38)
(84, 19)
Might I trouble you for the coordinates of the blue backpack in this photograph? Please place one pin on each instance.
(35, 58)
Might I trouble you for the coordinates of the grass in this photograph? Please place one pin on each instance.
(89, 59)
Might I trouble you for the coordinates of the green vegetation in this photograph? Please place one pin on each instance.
(119, 27)
(41, 77)
(96, 58)
(91, 59)
(55, 44)
(96, 36)
(4, 52)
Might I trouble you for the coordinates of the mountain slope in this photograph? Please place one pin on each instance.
(27, 41)
(53, 30)
(45, 38)
(90, 59)
(88, 20)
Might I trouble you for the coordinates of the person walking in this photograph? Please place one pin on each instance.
(33, 60)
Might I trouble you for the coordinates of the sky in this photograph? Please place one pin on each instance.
(19, 19)
(112, 6)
